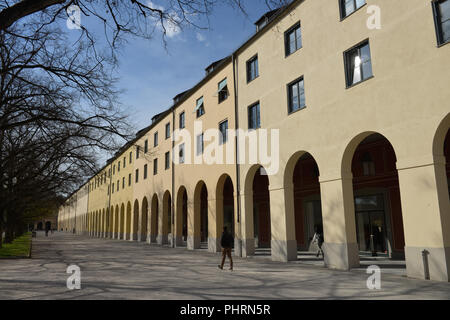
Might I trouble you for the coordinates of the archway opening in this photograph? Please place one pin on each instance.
(307, 206)
(204, 215)
(261, 210)
(154, 219)
(228, 205)
(135, 225)
(128, 223)
(144, 220)
(116, 223)
(378, 213)
(122, 222)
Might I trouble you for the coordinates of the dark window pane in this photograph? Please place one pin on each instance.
(349, 7)
(365, 53)
(446, 31)
(360, 3)
(444, 8)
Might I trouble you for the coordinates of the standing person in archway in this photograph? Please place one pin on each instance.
(227, 244)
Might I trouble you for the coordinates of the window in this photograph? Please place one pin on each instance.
(155, 166)
(155, 139)
(114, 169)
(223, 128)
(138, 149)
(131, 157)
(200, 144)
(123, 183)
(129, 179)
(112, 188)
(358, 64)
(124, 162)
(168, 130)
(181, 153)
(296, 91)
(146, 146)
(293, 39)
(223, 90)
(252, 69)
(368, 164)
(182, 120)
(350, 6)
(200, 107)
(137, 175)
(253, 116)
(145, 171)
(167, 160)
(442, 20)
(118, 185)
(118, 166)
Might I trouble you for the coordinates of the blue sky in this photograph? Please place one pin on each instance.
(152, 75)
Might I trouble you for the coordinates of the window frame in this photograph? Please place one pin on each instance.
(167, 160)
(288, 88)
(342, 9)
(248, 115)
(136, 176)
(182, 115)
(198, 151)
(346, 66)
(167, 130)
(155, 166)
(221, 137)
(286, 39)
(438, 23)
(145, 171)
(248, 63)
(227, 91)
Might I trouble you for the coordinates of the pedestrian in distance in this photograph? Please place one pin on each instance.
(318, 238)
(227, 244)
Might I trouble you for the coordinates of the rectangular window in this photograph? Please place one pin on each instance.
(200, 107)
(296, 91)
(138, 149)
(182, 120)
(131, 157)
(350, 6)
(114, 169)
(129, 179)
(223, 91)
(181, 153)
(118, 185)
(145, 171)
(137, 175)
(112, 188)
(200, 144)
(124, 162)
(293, 39)
(146, 146)
(168, 130)
(155, 139)
(118, 166)
(252, 69)
(223, 128)
(167, 160)
(442, 20)
(358, 64)
(254, 116)
(155, 166)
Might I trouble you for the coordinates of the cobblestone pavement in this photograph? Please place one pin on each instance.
(115, 269)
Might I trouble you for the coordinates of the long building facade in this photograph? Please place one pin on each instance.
(333, 117)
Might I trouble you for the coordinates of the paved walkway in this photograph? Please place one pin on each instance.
(112, 269)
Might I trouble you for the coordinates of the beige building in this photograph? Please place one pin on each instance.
(337, 116)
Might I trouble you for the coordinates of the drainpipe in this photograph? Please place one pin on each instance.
(238, 184)
(172, 212)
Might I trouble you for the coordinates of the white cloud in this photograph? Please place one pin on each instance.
(200, 37)
(170, 26)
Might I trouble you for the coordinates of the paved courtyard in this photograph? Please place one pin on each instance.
(112, 269)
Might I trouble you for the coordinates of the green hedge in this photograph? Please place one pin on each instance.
(19, 248)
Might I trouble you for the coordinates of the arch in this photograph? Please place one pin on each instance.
(154, 217)
(165, 223)
(303, 202)
(135, 224)
(122, 222)
(200, 222)
(181, 218)
(116, 223)
(225, 208)
(144, 220)
(371, 185)
(128, 223)
(111, 222)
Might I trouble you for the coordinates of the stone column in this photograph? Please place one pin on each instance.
(282, 221)
(247, 226)
(426, 218)
(215, 223)
(339, 228)
(193, 239)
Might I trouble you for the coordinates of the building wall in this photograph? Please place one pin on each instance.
(406, 102)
